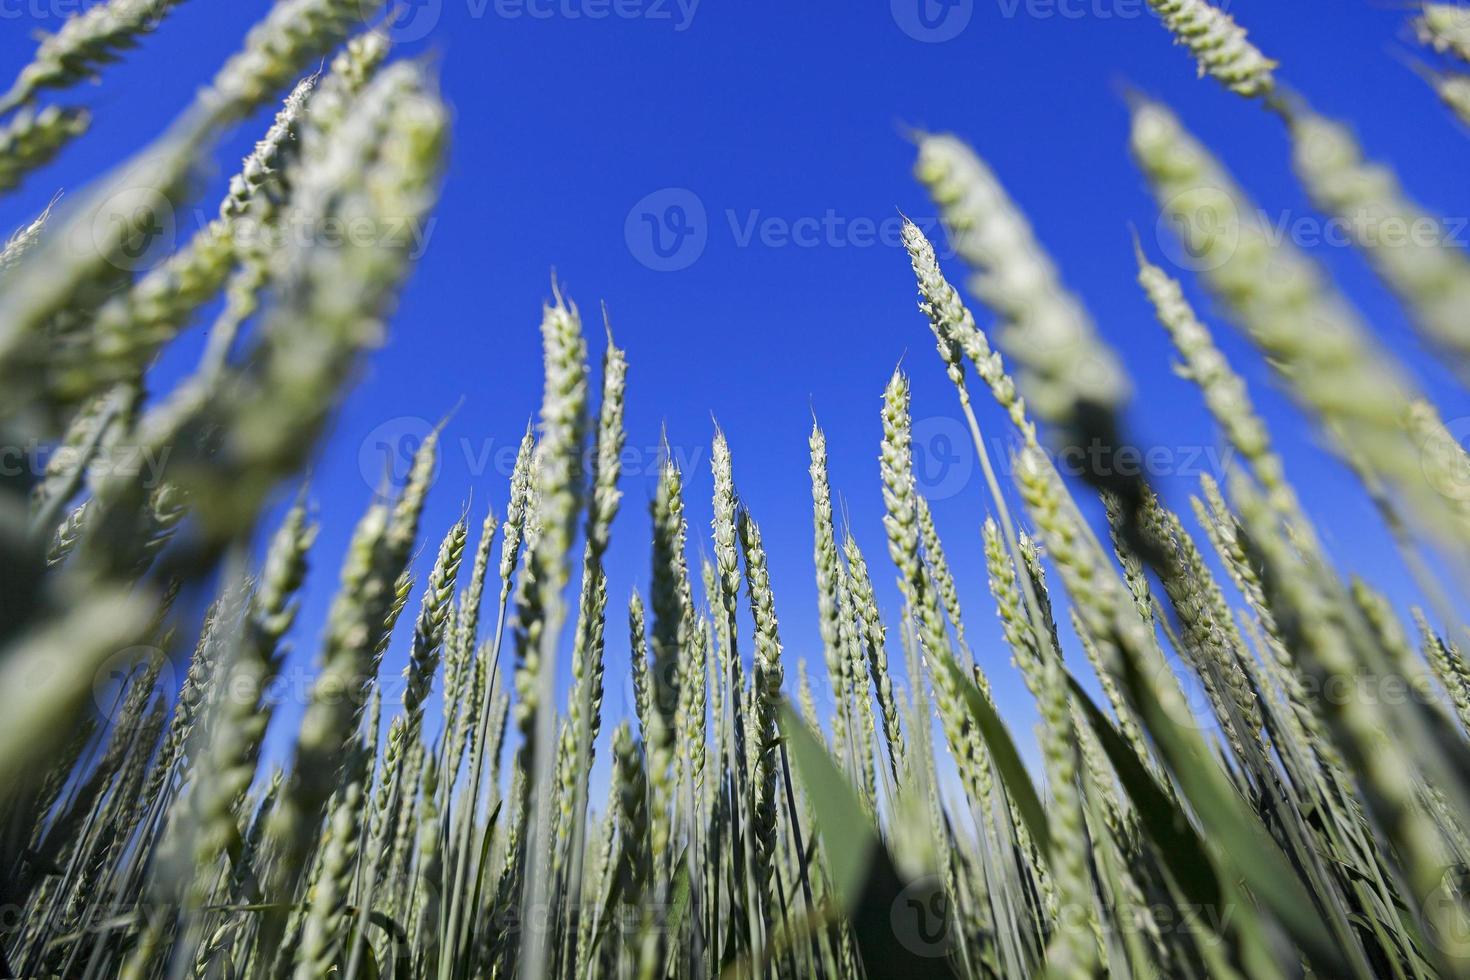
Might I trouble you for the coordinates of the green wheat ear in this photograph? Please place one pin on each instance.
(1445, 27)
(25, 238)
(429, 630)
(829, 575)
(30, 139)
(1064, 366)
(86, 42)
(1405, 244)
(1218, 44)
(1453, 89)
(768, 678)
(1315, 340)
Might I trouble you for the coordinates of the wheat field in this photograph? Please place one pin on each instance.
(1307, 815)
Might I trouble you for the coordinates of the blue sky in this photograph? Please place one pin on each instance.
(727, 179)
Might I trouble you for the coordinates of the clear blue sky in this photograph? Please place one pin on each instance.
(779, 130)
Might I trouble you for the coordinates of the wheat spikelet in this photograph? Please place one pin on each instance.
(954, 327)
(428, 867)
(1072, 950)
(875, 644)
(766, 684)
(32, 138)
(1015, 625)
(325, 926)
(638, 658)
(860, 700)
(1405, 244)
(428, 631)
(1316, 632)
(1325, 355)
(82, 639)
(276, 50)
(349, 622)
(292, 34)
(130, 328)
(237, 729)
(87, 41)
(25, 238)
(668, 638)
(939, 571)
(1453, 89)
(1066, 370)
(632, 790)
(557, 485)
(1448, 664)
(726, 601)
(694, 709)
(1218, 44)
(1224, 391)
(375, 559)
(900, 521)
(584, 710)
(1209, 642)
(829, 576)
(1445, 27)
